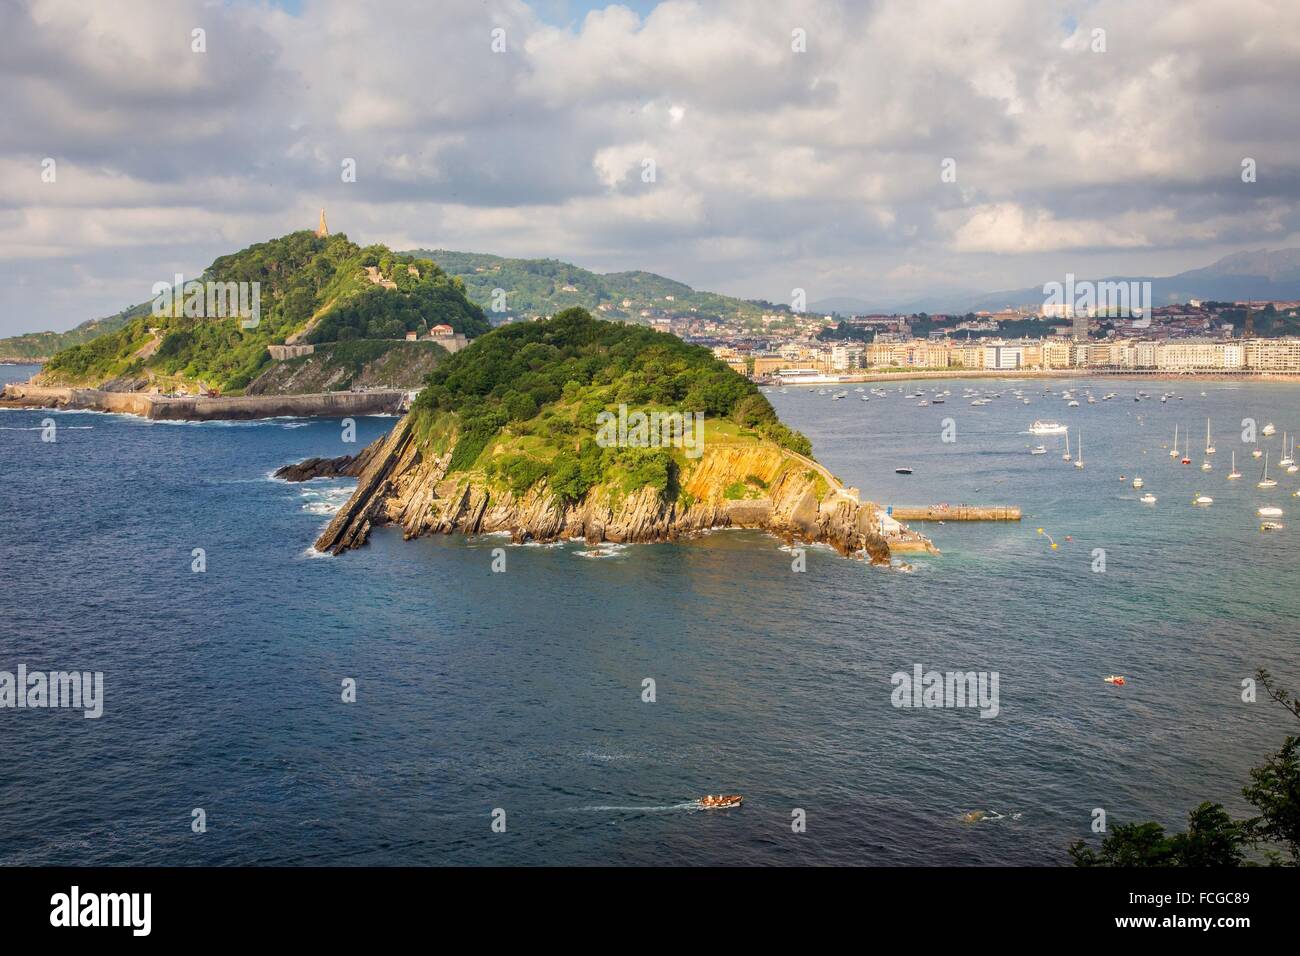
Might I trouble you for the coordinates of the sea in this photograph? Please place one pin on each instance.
(408, 704)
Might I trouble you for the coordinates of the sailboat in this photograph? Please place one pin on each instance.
(1289, 458)
(1187, 452)
(1173, 452)
(1266, 481)
(1079, 463)
(1066, 456)
(1234, 474)
(1209, 446)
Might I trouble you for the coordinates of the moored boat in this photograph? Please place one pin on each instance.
(1047, 428)
(1265, 481)
(1234, 474)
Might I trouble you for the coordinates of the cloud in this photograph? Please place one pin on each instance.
(774, 169)
(1008, 228)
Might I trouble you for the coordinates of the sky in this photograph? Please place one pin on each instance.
(878, 150)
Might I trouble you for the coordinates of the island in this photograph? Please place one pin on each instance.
(542, 430)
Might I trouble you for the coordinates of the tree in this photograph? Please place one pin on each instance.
(1213, 838)
(1275, 787)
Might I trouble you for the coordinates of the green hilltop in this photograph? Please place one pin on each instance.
(521, 404)
(313, 289)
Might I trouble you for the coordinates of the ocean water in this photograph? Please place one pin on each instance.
(522, 690)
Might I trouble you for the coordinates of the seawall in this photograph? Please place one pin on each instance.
(205, 408)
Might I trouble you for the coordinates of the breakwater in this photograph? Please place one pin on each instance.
(958, 513)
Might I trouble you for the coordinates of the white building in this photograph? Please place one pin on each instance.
(1004, 356)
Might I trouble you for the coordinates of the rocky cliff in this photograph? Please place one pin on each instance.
(788, 495)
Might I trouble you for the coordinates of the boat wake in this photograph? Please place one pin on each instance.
(987, 816)
(666, 808)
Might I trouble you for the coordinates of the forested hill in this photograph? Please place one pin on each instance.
(522, 403)
(541, 287)
(312, 290)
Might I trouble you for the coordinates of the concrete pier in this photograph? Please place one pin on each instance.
(958, 513)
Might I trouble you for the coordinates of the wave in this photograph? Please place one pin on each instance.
(40, 428)
(604, 550)
(325, 500)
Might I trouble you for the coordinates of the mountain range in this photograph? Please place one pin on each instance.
(1260, 274)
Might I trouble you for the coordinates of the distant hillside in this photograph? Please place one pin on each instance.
(39, 346)
(535, 287)
(312, 289)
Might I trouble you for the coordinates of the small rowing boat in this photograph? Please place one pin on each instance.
(721, 801)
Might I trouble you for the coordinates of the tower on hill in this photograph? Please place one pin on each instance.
(322, 230)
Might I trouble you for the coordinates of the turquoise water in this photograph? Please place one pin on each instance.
(522, 690)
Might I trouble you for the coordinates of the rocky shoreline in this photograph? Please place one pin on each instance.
(398, 484)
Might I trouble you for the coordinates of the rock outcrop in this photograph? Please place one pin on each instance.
(401, 483)
(341, 467)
